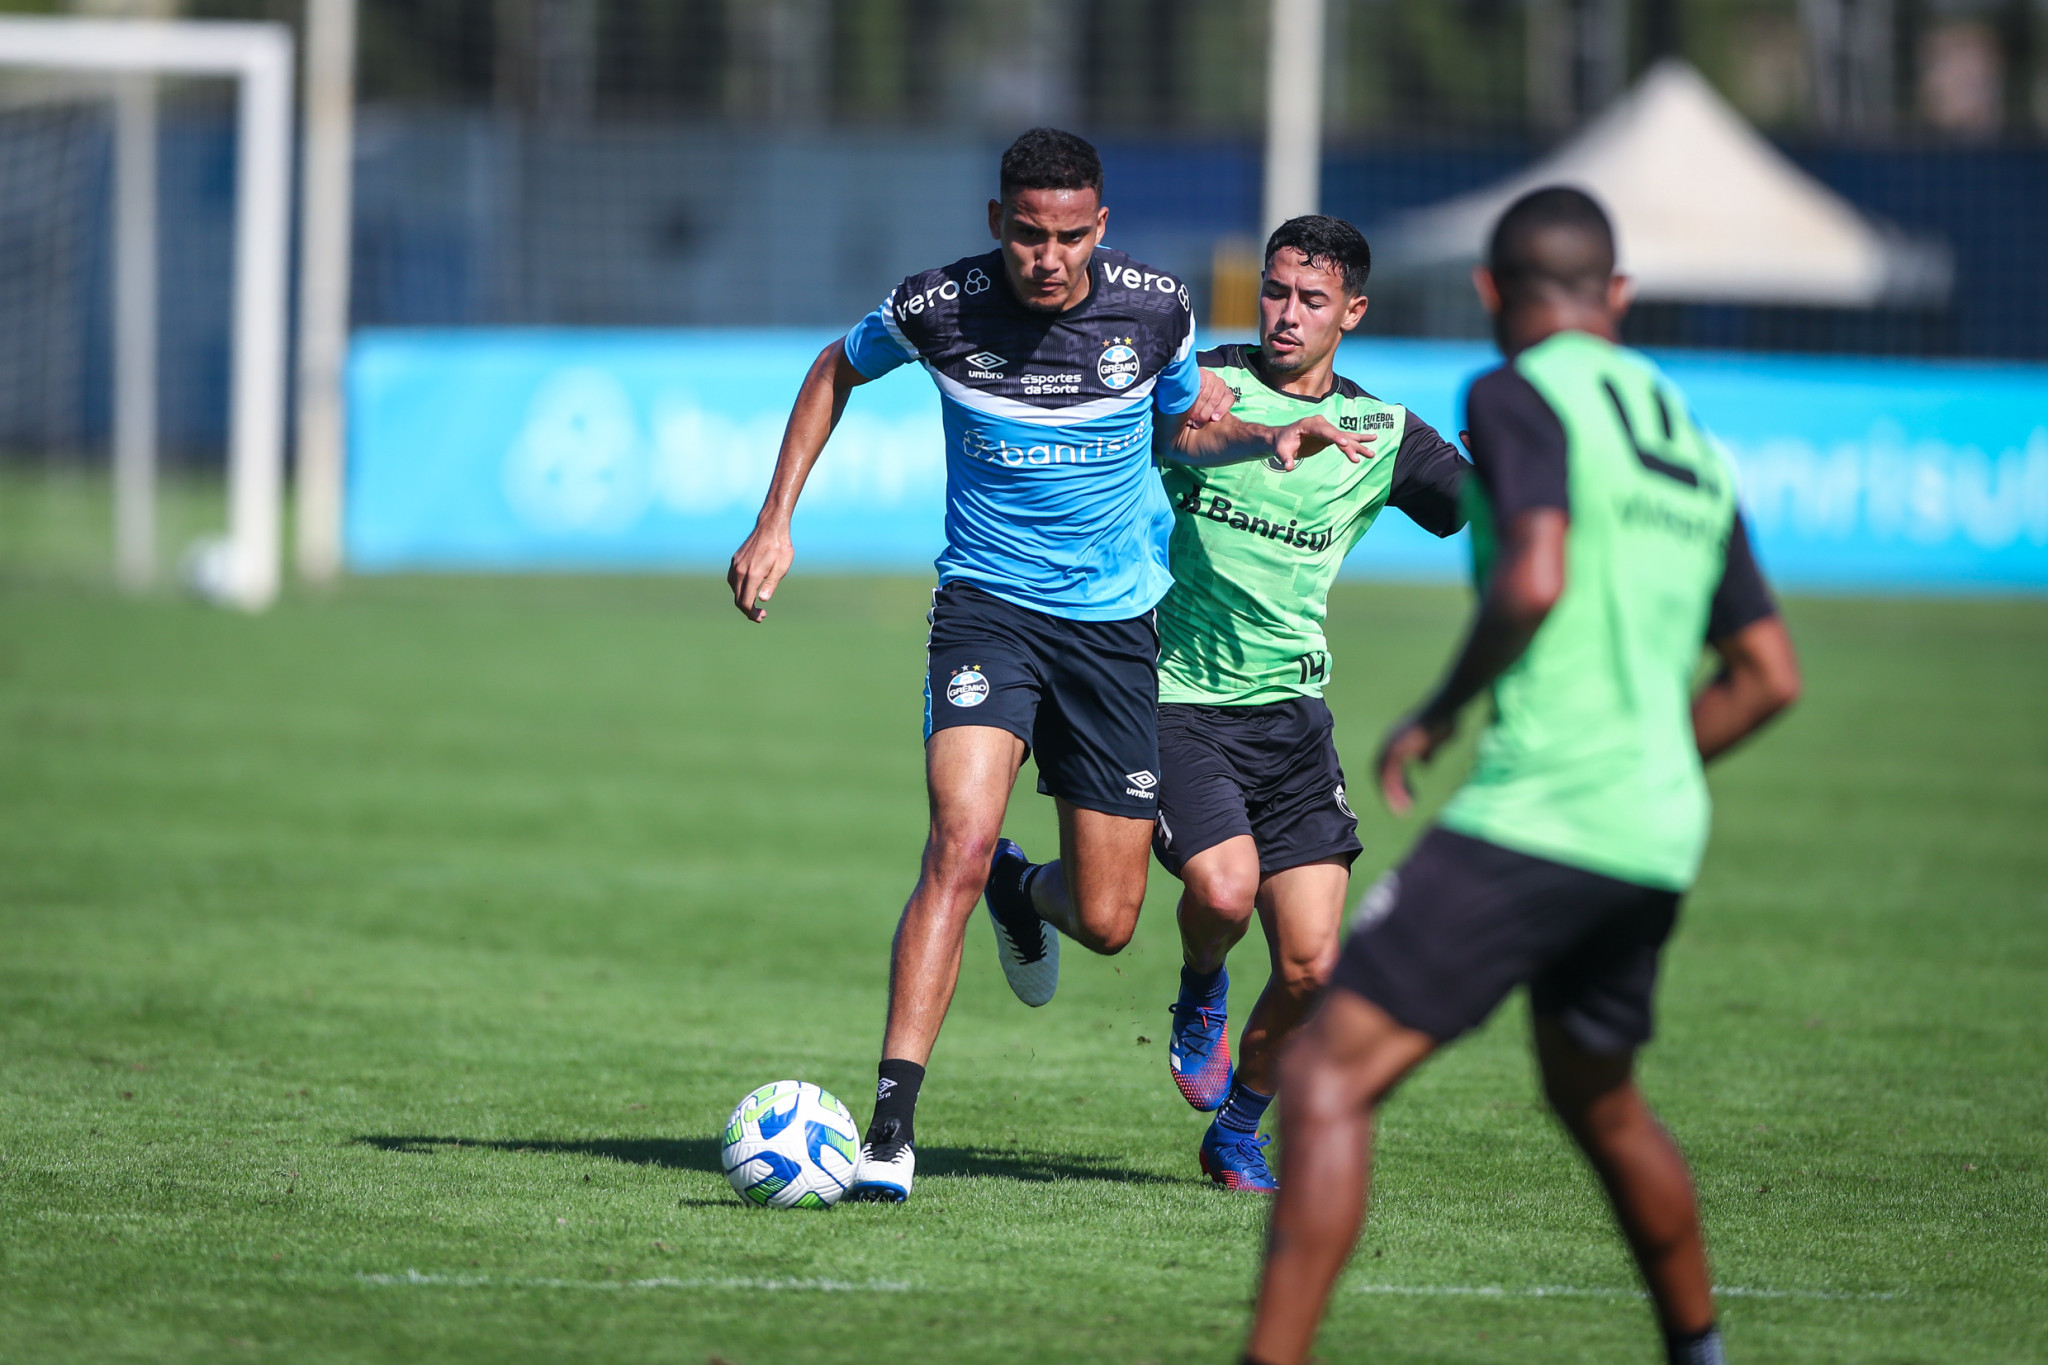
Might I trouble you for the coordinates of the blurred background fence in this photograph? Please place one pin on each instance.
(781, 162)
(750, 164)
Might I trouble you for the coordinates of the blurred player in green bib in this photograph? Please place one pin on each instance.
(1609, 553)
(1252, 810)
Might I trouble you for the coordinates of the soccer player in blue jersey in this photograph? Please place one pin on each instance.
(1064, 369)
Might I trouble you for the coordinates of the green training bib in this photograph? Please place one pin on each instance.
(1589, 759)
(1254, 549)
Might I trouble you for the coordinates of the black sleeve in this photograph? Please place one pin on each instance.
(1743, 599)
(1518, 445)
(1428, 471)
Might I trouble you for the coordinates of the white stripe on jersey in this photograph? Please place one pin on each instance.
(1012, 409)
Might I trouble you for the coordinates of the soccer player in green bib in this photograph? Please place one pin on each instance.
(1252, 811)
(1608, 549)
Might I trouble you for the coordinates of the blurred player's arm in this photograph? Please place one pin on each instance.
(1518, 453)
(765, 556)
(1527, 580)
(1759, 674)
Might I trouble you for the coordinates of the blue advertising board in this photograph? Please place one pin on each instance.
(514, 449)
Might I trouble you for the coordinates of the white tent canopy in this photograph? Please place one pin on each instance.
(1707, 210)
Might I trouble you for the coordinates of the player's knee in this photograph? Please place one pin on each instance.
(1315, 1085)
(958, 859)
(1227, 893)
(1108, 920)
(1303, 975)
(1109, 934)
(1591, 1108)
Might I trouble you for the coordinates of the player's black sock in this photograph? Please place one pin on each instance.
(1196, 985)
(1242, 1108)
(1009, 896)
(895, 1102)
(1695, 1348)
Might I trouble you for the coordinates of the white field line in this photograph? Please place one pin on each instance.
(1564, 1291)
(413, 1278)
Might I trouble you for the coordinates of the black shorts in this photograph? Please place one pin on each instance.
(1083, 695)
(1441, 940)
(1269, 771)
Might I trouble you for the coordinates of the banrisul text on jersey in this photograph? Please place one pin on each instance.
(1255, 549)
(1051, 499)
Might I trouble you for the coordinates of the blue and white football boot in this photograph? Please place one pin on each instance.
(1026, 945)
(1237, 1161)
(1199, 1052)
(884, 1169)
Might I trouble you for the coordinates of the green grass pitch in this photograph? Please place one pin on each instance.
(377, 974)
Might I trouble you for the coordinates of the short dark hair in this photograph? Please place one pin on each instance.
(1051, 159)
(1332, 243)
(1555, 239)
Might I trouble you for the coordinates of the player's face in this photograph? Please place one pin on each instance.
(1304, 312)
(1048, 237)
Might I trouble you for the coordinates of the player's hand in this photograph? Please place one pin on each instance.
(1413, 740)
(1299, 440)
(1212, 404)
(757, 566)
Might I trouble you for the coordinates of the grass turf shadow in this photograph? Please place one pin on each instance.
(701, 1154)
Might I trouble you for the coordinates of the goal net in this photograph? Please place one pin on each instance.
(144, 209)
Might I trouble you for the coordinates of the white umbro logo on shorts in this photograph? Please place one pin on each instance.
(986, 360)
(1142, 784)
(1378, 902)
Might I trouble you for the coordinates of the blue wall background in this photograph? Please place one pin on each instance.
(522, 449)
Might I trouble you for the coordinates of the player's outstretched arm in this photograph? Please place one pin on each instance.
(1759, 677)
(1230, 439)
(765, 556)
(1528, 578)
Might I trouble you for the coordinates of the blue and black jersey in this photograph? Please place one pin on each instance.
(1052, 501)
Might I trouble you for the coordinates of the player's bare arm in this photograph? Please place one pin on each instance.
(763, 559)
(1230, 440)
(1759, 678)
(1526, 583)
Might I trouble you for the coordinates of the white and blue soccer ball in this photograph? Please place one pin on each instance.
(790, 1145)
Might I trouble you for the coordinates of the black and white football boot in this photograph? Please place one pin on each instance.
(1026, 945)
(883, 1172)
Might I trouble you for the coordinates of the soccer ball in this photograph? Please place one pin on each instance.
(790, 1145)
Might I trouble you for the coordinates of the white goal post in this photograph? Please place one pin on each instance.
(258, 57)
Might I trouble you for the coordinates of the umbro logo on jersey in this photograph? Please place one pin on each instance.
(986, 360)
(1142, 784)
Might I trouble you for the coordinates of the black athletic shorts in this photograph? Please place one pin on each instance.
(1441, 940)
(1084, 695)
(1269, 771)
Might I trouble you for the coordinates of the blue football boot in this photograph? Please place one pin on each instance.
(1237, 1161)
(1199, 1052)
